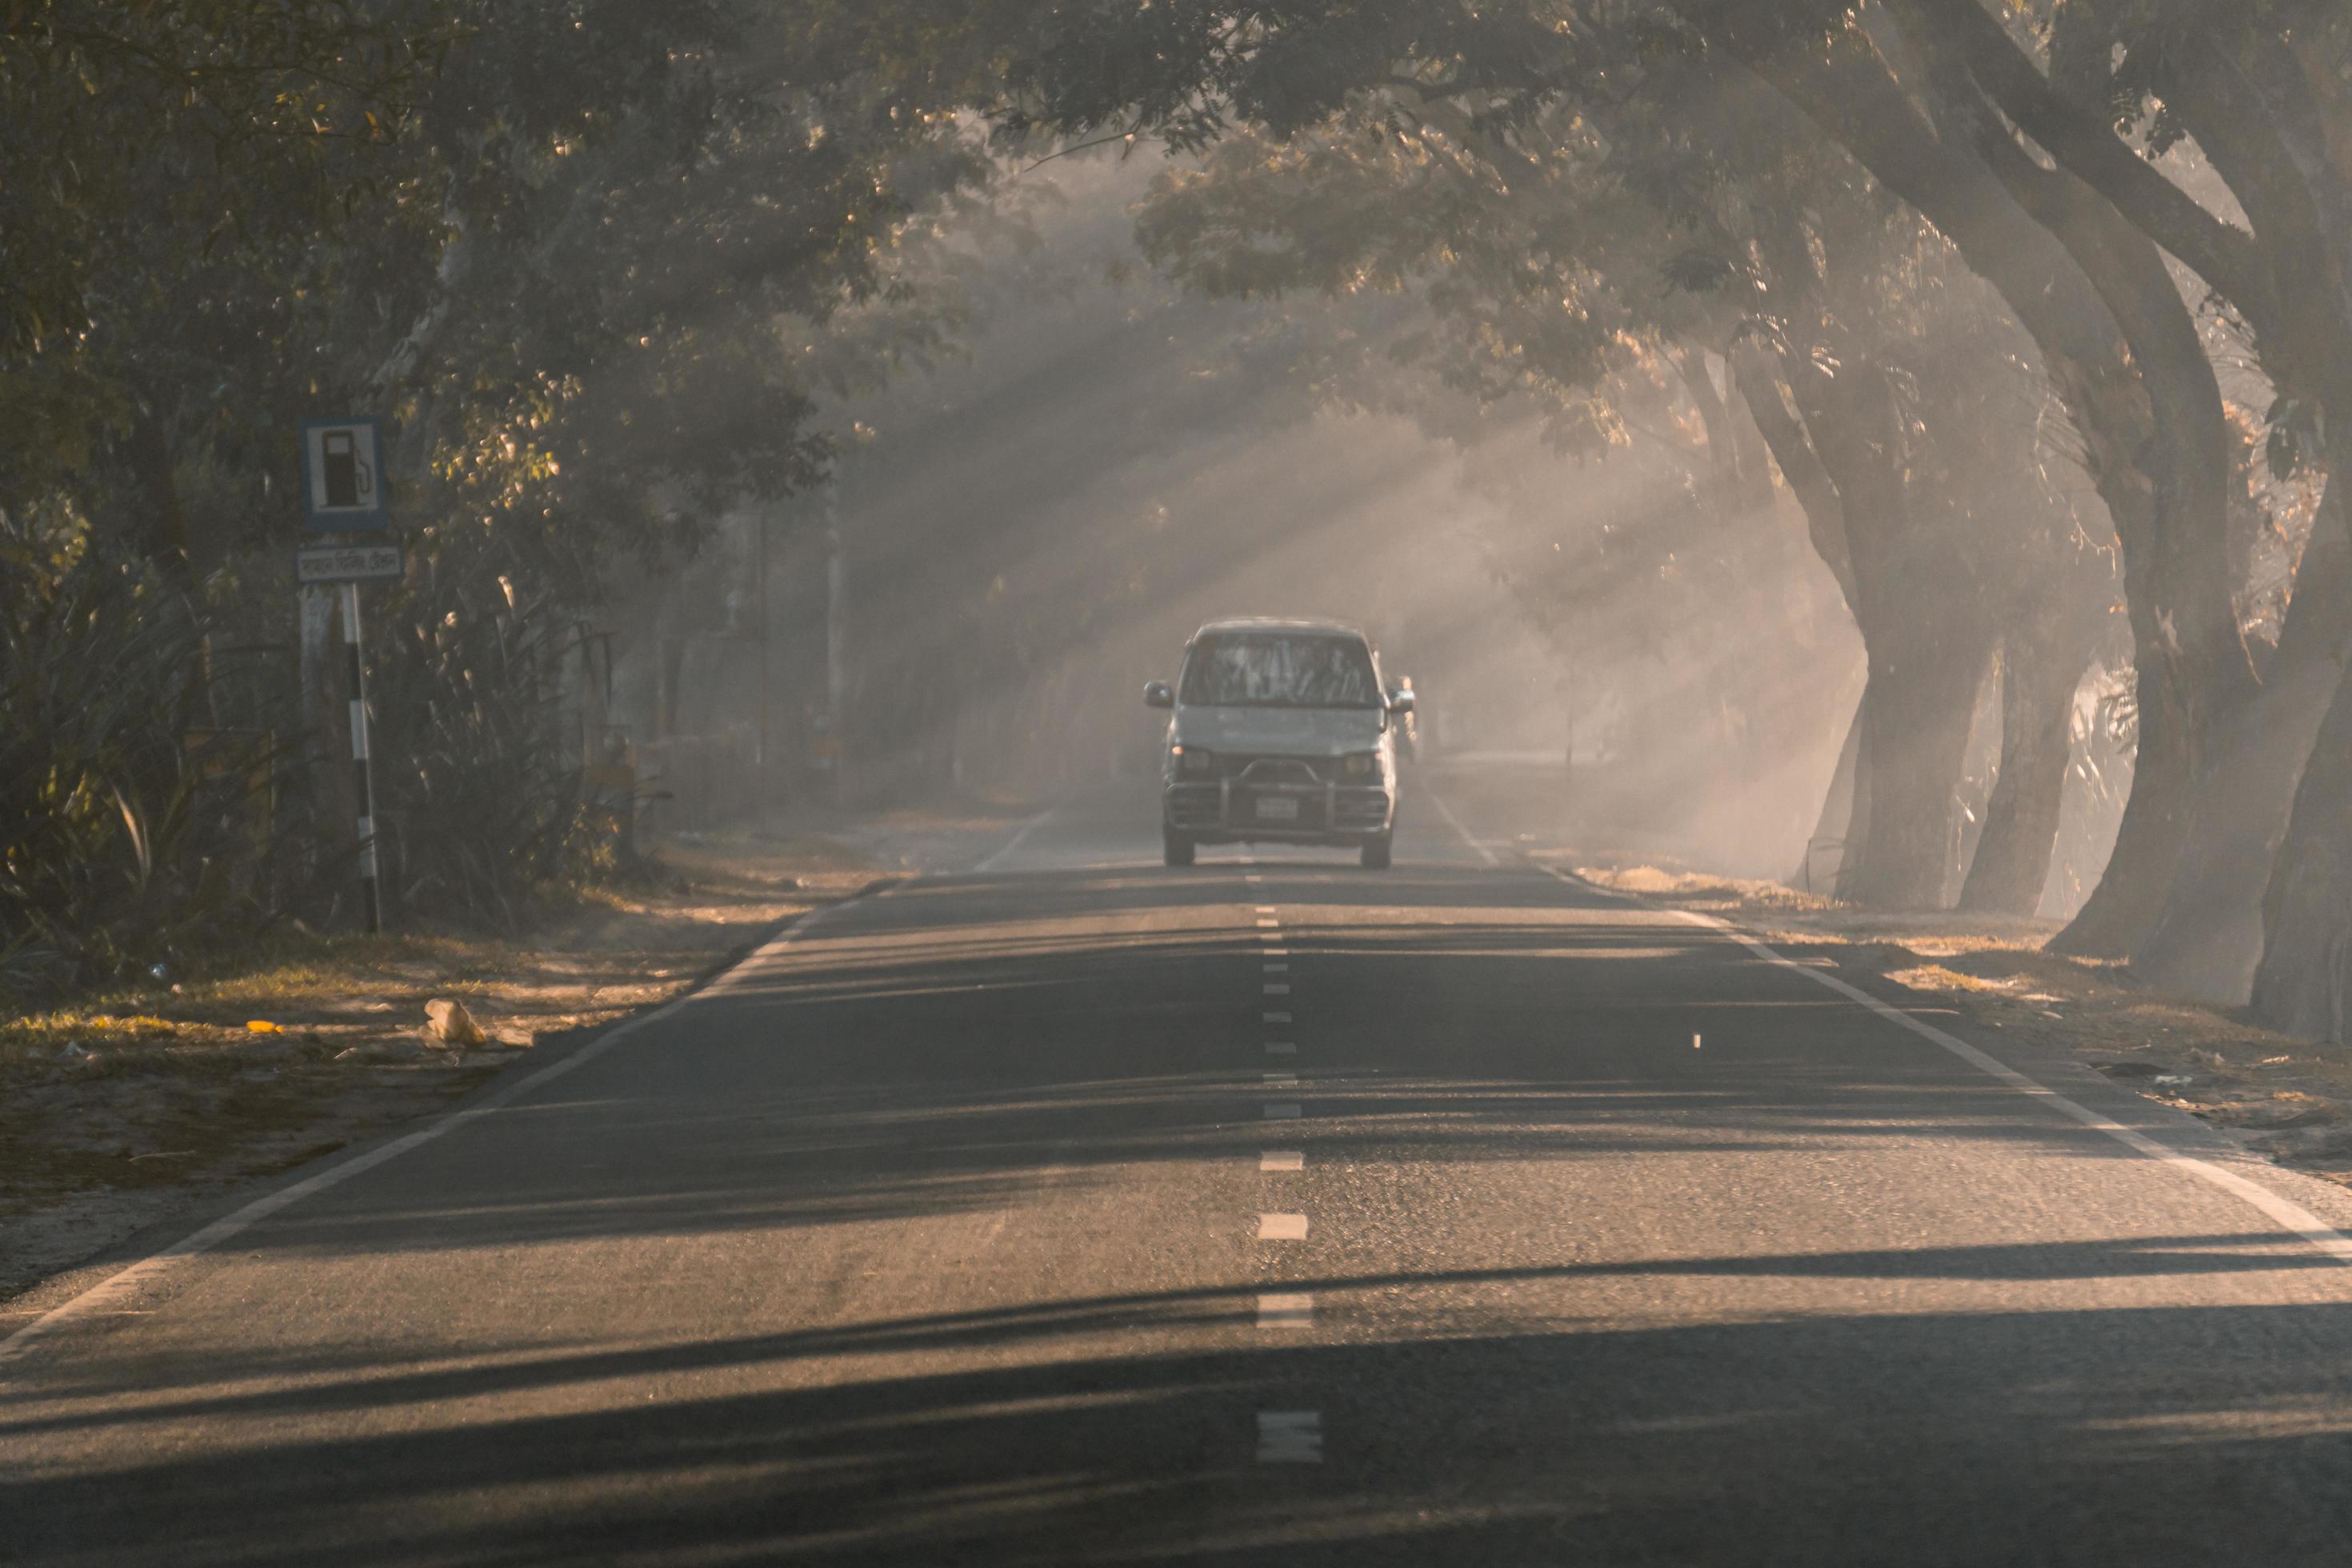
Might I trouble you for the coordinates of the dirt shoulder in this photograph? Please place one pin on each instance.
(2286, 1099)
(127, 1109)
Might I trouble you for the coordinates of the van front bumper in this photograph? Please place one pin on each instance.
(1232, 810)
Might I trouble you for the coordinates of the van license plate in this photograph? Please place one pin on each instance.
(1277, 808)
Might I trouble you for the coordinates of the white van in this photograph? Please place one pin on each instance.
(1280, 732)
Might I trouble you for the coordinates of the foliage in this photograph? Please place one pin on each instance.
(121, 833)
(476, 761)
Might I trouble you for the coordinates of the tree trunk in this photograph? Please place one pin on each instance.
(1924, 628)
(1917, 715)
(2020, 829)
(2304, 983)
(2208, 939)
(1844, 813)
(326, 749)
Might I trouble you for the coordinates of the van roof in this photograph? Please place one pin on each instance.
(1281, 624)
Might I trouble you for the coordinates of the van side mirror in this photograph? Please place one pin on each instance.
(1158, 694)
(1401, 701)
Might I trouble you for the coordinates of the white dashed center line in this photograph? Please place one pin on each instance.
(1269, 925)
(1281, 1080)
(1286, 1312)
(1282, 1160)
(1280, 1110)
(1273, 1017)
(1277, 990)
(1282, 1048)
(1290, 1437)
(1277, 969)
(1282, 1228)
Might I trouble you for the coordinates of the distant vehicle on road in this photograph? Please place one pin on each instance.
(1280, 731)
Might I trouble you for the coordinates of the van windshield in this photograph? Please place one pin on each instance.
(1280, 670)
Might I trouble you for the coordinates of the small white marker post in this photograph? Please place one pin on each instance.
(363, 776)
(1694, 1045)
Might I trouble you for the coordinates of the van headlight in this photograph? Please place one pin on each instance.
(1193, 761)
(1361, 767)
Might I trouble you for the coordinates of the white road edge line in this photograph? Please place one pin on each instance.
(2284, 1212)
(1020, 836)
(1454, 823)
(100, 1298)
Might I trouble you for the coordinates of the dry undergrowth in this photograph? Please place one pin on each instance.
(2287, 1098)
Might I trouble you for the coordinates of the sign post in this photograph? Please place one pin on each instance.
(343, 492)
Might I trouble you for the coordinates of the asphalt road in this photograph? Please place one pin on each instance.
(1076, 1210)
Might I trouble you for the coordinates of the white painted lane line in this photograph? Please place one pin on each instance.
(1280, 1079)
(1454, 822)
(1269, 925)
(1277, 969)
(105, 1298)
(1277, 952)
(1280, 1110)
(1295, 1310)
(1273, 1017)
(2286, 1212)
(1282, 1160)
(1276, 990)
(1271, 936)
(1282, 1048)
(1017, 840)
(1268, 910)
(1290, 1437)
(1282, 1228)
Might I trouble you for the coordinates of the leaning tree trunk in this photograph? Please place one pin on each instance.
(1923, 628)
(2304, 985)
(2208, 939)
(2037, 732)
(1921, 704)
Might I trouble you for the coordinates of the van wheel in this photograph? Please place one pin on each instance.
(1377, 852)
(1175, 847)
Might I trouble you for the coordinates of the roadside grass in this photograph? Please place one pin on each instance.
(2287, 1099)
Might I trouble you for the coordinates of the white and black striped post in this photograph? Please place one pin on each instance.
(363, 782)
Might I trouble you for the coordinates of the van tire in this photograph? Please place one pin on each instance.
(1175, 849)
(1377, 852)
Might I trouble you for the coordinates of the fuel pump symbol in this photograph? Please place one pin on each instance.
(349, 482)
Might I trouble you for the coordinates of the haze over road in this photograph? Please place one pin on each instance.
(1079, 1210)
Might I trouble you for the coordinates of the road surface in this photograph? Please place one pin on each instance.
(1077, 1210)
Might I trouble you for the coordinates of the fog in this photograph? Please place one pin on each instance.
(1030, 525)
